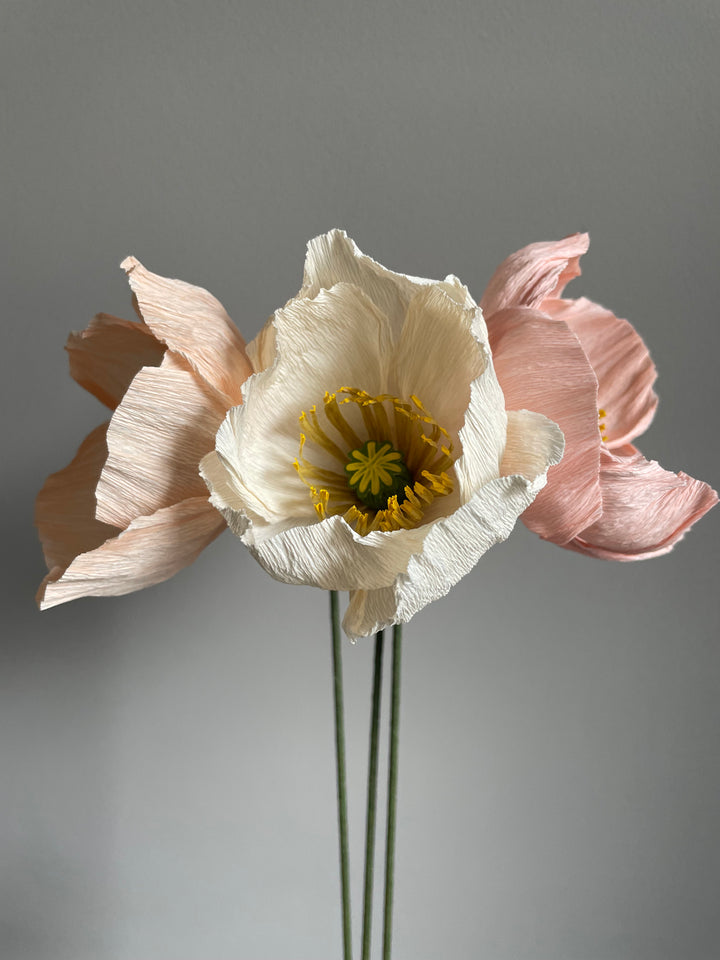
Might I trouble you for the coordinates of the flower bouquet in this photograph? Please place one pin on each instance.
(378, 436)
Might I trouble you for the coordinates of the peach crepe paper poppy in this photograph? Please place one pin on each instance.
(131, 510)
(591, 373)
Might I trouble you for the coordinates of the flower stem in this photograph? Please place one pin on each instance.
(372, 797)
(392, 792)
(341, 777)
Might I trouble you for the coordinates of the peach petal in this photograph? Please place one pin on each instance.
(541, 366)
(151, 550)
(194, 324)
(534, 273)
(65, 507)
(108, 353)
(157, 437)
(646, 509)
(621, 362)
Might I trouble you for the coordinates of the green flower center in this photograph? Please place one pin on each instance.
(377, 471)
(397, 465)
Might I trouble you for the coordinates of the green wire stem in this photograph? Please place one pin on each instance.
(341, 776)
(372, 797)
(392, 791)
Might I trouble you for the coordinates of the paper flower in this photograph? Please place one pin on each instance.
(589, 371)
(373, 452)
(131, 509)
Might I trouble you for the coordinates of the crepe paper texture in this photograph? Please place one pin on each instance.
(131, 509)
(364, 374)
(588, 370)
(378, 435)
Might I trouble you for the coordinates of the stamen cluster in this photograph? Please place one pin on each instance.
(402, 440)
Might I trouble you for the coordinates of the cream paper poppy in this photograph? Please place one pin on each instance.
(373, 452)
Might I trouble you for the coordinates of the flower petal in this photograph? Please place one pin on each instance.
(151, 550)
(621, 362)
(108, 353)
(537, 271)
(331, 555)
(438, 357)
(534, 444)
(451, 548)
(646, 509)
(541, 366)
(195, 325)
(335, 258)
(161, 430)
(442, 357)
(484, 433)
(65, 507)
(337, 339)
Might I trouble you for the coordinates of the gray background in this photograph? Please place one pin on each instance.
(167, 786)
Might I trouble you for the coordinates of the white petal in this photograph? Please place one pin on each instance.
(451, 548)
(228, 493)
(438, 357)
(484, 431)
(335, 258)
(262, 350)
(370, 611)
(338, 339)
(534, 443)
(331, 555)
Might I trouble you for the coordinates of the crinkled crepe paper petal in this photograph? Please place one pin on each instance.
(335, 258)
(108, 353)
(646, 509)
(537, 271)
(621, 362)
(65, 507)
(337, 339)
(331, 555)
(151, 550)
(483, 433)
(534, 445)
(541, 366)
(442, 357)
(262, 349)
(437, 357)
(164, 425)
(451, 547)
(193, 323)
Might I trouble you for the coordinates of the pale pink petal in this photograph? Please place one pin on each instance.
(65, 507)
(541, 366)
(538, 271)
(646, 509)
(621, 362)
(108, 353)
(194, 324)
(151, 550)
(158, 435)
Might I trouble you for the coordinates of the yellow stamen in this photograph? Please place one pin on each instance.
(400, 459)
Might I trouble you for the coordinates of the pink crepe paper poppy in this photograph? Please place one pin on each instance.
(591, 373)
(131, 509)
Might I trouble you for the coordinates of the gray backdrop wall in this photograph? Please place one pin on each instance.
(167, 787)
